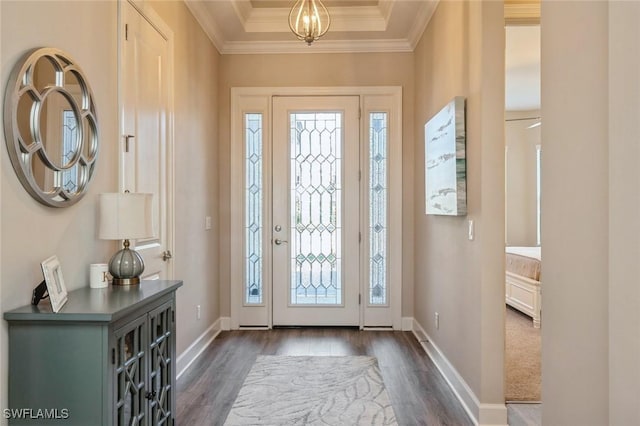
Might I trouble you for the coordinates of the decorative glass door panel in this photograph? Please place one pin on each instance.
(130, 373)
(161, 368)
(378, 205)
(254, 190)
(316, 192)
(315, 211)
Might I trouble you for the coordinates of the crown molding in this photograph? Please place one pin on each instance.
(201, 13)
(322, 46)
(386, 7)
(424, 15)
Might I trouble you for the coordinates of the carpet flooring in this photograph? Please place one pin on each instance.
(522, 358)
(313, 390)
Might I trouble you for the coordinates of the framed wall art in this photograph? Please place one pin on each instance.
(445, 161)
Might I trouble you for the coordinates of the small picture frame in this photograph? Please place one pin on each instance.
(52, 272)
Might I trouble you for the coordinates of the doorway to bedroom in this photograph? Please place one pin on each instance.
(523, 156)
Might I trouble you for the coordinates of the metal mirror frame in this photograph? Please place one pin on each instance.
(22, 150)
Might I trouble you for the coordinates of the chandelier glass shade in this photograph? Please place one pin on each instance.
(309, 20)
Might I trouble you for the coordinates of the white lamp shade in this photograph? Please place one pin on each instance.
(125, 216)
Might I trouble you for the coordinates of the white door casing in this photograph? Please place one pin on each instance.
(375, 102)
(146, 145)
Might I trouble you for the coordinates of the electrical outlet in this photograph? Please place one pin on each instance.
(207, 223)
(471, 230)
(198, 312)
(437, 321)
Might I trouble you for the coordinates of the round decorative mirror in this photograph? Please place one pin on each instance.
(51, 127)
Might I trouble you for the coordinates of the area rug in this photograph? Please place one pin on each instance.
(522, 358)
(308, 390)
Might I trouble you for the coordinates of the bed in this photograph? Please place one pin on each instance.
(522, 283)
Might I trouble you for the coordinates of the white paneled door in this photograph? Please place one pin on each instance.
(146, 127)
(315, 230)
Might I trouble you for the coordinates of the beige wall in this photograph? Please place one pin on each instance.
(624, 211)
(462, 53)
(575, 213)
(31, 232)
(521, 183)
(301, 70)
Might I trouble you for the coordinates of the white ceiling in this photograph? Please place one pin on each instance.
(261, 26)
(522, 68)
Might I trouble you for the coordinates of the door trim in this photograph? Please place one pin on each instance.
(258, 99)
(149, 14)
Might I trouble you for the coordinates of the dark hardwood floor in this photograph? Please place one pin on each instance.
(418, 392)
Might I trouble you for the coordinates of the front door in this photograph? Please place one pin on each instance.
(146, 129)
(316, 210)
(316, 207)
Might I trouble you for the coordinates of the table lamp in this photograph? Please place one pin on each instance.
(123, 217)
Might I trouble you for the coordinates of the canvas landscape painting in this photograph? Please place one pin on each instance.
(445, 161)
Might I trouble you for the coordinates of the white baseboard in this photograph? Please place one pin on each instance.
(186, 358)
(480, 414)
(493, 414)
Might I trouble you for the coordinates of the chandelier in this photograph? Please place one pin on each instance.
(309, 20)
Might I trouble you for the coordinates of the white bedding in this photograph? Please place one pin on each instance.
(533, 252)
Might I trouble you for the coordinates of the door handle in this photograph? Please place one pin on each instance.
(278, 241)
(166, 255)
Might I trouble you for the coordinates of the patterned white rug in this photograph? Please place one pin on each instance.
(308, 390)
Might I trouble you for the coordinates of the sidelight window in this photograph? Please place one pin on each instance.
(378, 196)
(253, 209)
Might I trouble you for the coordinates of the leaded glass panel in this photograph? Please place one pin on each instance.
(316, 198)
(378, 193)
(253, 208)
(69, 149)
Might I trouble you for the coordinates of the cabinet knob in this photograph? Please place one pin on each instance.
(166, 255)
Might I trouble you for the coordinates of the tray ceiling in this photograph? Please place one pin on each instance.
(260, 26)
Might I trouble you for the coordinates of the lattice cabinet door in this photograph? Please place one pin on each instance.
(131, 373)
(162, 364)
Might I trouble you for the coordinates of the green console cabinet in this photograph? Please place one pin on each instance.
(107, 358)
